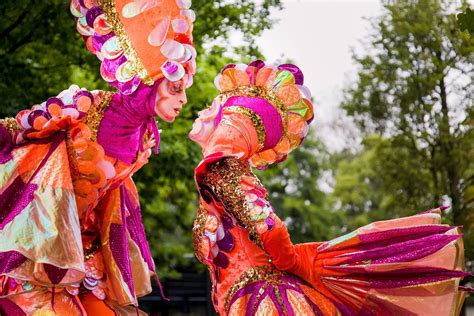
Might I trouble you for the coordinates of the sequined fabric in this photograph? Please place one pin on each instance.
(404, 266)
(66, 212)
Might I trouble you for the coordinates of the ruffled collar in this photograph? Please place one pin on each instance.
(126, 121)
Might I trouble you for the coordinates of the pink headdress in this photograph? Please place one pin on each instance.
(138, 40)
(274, 99)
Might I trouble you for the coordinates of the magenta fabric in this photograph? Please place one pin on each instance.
(14, 199)
(54, 273)
(125, 122)
(270, 117)
(6, 145)
(10, 260)
(7, 307)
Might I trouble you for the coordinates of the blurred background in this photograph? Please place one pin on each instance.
(392, 84)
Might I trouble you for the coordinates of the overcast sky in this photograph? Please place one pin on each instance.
(318, 36)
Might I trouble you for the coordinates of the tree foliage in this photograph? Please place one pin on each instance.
(413, 101)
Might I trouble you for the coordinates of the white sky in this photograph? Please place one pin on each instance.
(317, 36)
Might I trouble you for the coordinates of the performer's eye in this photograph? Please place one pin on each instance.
(176, 87)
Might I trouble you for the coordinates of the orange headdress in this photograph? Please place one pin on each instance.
(138, 40)
(272, 98)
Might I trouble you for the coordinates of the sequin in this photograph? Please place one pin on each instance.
(101, 26)
(180, 26)
(111, 49)
(137, 7)
(184, 4)
(125, 72)
(172, 49)
(158, 35)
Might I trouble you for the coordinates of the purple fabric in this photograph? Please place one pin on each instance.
(244, 291)
(136, 230)
(284, 298)
(227, 243)
(55, 274)
(119, 248)
(125, 122)
(391, 282)
(19, 194)
(221, 260)
(403, 252)
(297, 73)
(227, 67)
(258, 63)
(342, 308)
(10, 260)
(92, 14)
(14, 199)
(6, 145)
(7, 307)
(274, 298)
(388, 234)
(255, 298)
(266, 111)
(98, 42)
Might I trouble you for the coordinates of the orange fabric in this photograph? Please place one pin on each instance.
(95, 307)
(138, 29)
(235, 137)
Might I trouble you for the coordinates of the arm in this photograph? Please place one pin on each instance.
(244, 198)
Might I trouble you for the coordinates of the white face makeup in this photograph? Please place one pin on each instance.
(171, 98)
(204, 125)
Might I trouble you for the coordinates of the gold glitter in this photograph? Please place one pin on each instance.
(73, 164)
(114, 20)
(198, 232)
(256, 121)
(91, 249)
(259, 273)
(95, 114)
(261, 92)
(11, 125)
(224, 178)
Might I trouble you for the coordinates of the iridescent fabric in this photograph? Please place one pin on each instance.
(405, 266)
(70, 221)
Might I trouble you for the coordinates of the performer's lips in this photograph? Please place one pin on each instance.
(177, 110)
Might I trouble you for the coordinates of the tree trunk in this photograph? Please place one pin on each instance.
(450, 161)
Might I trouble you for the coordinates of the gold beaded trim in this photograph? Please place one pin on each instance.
(95, 114)
(11, 125)
(198, 232)
(261, 92)
(256, 121)
(259, 273)
(91, 249)
(113, 20)
(224, 178)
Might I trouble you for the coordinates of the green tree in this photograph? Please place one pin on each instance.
(294, 192)
(415, 85)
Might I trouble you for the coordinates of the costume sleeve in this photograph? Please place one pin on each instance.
(230, 181)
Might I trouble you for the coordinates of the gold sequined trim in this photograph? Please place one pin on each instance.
(260, 273)
(11, 125)
(261, 92)
(256, 121)
(198, 232)
(224, 178)
(113, 20)
(95, 114)
(91, 249)
(73, 164)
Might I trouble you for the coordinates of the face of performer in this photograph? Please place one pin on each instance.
(170, 99)
(204, 125)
